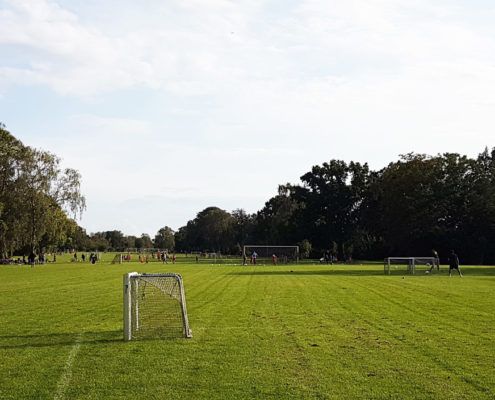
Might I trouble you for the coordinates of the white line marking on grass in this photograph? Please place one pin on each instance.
(64, 381)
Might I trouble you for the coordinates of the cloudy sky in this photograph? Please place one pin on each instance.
(170, 106)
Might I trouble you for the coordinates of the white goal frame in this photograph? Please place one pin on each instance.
(131, 309)
(411, 263)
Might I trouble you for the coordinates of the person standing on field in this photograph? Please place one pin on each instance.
(32, 258)
(436, 262)
(254, 256)
(454, 263)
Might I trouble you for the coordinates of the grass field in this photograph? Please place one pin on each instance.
(285, 332)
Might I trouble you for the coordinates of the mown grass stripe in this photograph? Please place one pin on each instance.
(65, 379)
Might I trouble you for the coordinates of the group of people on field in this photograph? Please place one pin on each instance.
(144, 258)
(254, 257)
(164, 257)
(31, 259)
(92, 258)
(453, 262)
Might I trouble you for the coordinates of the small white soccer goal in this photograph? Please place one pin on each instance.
(154, 306)
(411, 263)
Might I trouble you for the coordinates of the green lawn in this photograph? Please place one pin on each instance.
(285, 332)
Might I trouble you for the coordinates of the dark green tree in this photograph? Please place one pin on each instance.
(35, 197)
(165, 239)
(331, 196)
(274, 223)
(146, 241)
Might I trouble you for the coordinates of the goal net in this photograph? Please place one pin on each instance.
(409, 264)
(117, 259)
(147, 255)
(154, 306)
(270, 254)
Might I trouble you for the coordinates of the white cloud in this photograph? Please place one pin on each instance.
(249, 94)
(209, 47)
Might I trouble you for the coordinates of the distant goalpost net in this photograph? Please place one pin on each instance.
(409, 264)
(270, 254)
(117, 259)
(154, 306)
(143, 255)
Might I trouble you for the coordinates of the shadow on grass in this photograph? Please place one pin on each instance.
(69, 339)
(356, 271)
(58, 339)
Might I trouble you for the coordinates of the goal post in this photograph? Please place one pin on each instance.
(154, 306)
(265, 253)
(410, 262)
(117, 259)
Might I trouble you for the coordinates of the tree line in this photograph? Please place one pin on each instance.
(412, 205)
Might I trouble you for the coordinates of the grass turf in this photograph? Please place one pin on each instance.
(284, 332)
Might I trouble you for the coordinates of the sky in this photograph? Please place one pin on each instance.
(169, 106)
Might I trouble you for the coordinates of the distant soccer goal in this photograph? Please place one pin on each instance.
(154, 306)
(409, 264)
(146, 255)
(270, 254)
(117, 259)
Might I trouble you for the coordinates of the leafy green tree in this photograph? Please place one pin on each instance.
(12, 154)
(212, 230)
(479, 221)
(242, 225)
(36, 195)
(181, 240)
(165, 239)
(99, 242)
(130, 242)
(421, 202)
(146, 241)
(76, 238)
(274, 223)
(47, 188)
(332, 195)
(116, 240)
(305, 248)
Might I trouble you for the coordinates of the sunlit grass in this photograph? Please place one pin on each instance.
(285, 332)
